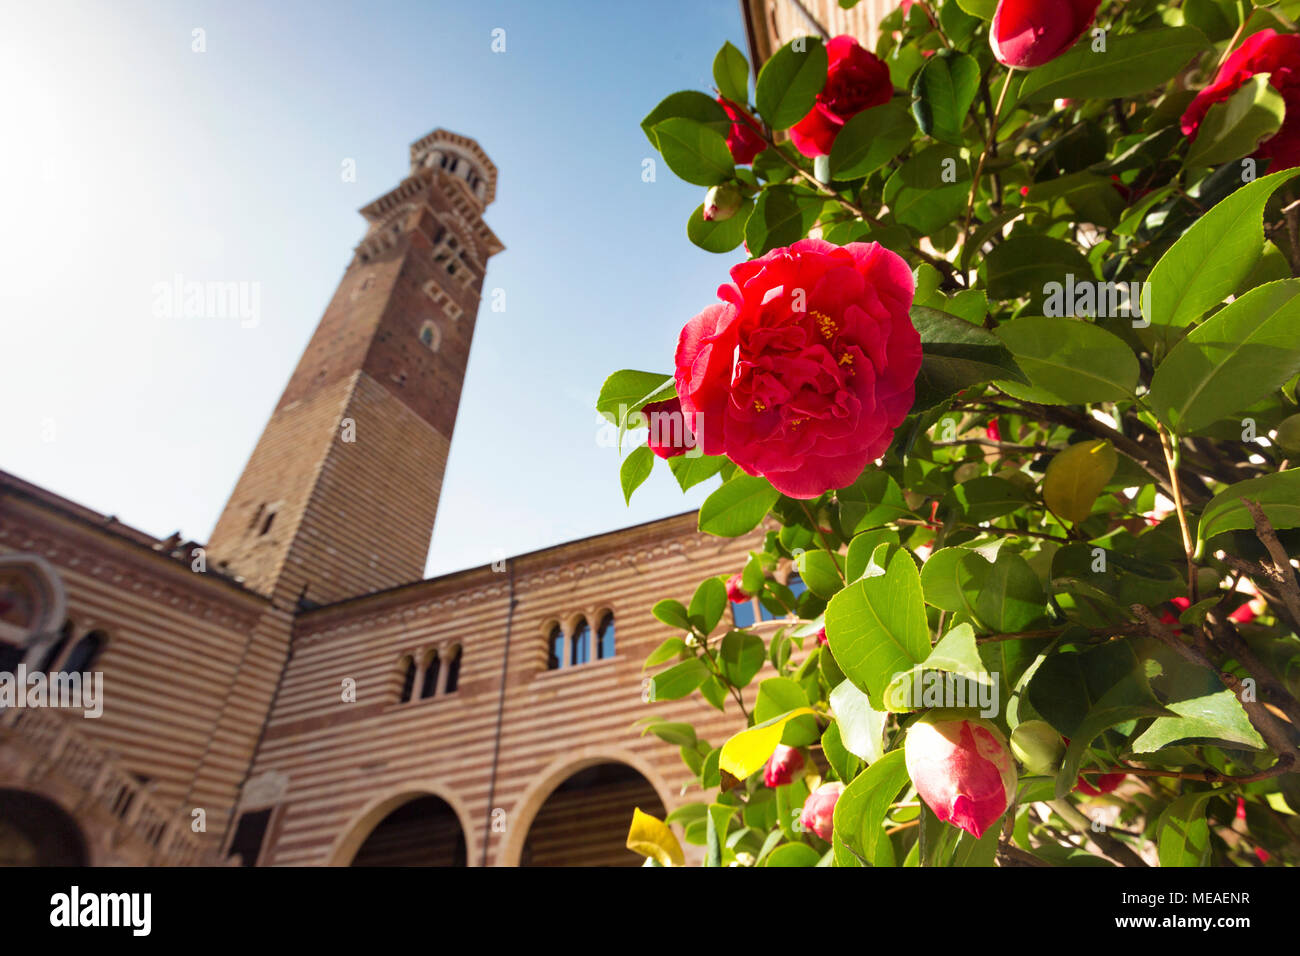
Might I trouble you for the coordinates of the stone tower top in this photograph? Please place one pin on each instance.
(460, 156)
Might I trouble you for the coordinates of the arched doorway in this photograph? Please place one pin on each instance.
(35, 831)
(423, 831)
(584, 820)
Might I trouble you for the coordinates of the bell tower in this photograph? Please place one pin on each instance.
(339, 496)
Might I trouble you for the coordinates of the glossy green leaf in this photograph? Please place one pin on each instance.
(695, 152)
(861, 809)
(930, 189)
(1133, 63)
(793, 854)
(1234, 128)
(871, 139)
(957, 355)
(707, 604)
(1183, 833)
(687, 104)
(861, 727)
(1068, 361)
(789, 82)
(942, 94)
(1236, 357)
(719, 236)
(731, 73)
(1076, 476)
(876, 627)
(1025, 265)
(736, 507)
(679, 680)
(1210, 259)
(1278, 494)
(782, 215)
(635, 470)
(741, 656)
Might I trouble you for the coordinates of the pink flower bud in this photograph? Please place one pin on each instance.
(1243, 615)
(962, 769)
(782, 766)
(819, 810)
(821, 637)
(735, 593)
(721, 202)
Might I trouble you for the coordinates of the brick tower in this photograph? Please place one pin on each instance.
(339, 496)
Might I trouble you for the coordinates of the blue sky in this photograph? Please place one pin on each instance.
(131, 159)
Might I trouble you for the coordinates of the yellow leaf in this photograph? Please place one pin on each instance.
(1077, 476)
(653, 839)
(748, 750)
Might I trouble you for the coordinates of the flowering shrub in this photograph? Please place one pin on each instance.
(1006, 379)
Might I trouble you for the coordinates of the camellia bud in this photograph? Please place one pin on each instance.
(1099, 784)
(961, 768)
(736, 594)
(782, 766)
(722, 202)
(819, 810)
(821, 636)
(1037, 746)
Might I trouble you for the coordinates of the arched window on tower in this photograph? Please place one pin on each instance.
(429, 686)
(84, 653)
(431, 336)
(605, 637)
(453, 669)
(555, 649)
(580, 644)
(408, 679)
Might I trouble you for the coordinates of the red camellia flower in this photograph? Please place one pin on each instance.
(992, 430)
(1105, 783)
(743, 140)
(1029, 33)
(735, 592)
(962, 769)
(819, 810)
(669, 436)
(856, 79)
(1278, 55)
(781, 767)
(807, 367)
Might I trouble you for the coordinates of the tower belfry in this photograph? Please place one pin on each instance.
(340, 493)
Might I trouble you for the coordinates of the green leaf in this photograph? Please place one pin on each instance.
(680, 734)
(1237, 356)
(741, 657)
(871, 139)
(1234, 128)
(1278, 494)
(942, 94)
(1082, 693)
(778, 695)
(861, 549)
(687, 104)
(1217, 718)
(984, 9)
(1025, 265)
(635, 470)
(985, 498)
(625, 393)
(1209, 260)
(731, 74)
(1133, 63)
(671, 648)
(876, 627)
(861, 809)
(793, 854)
(789, 82)
(673, 613)
(782, 216)
(679, 680)
(1068, 362)
(929, 191)
(873, 500)
(690, 469)
(956, 355)
(718, 236)
(844, 763)
(719, 816)
(736, 507)
(820, 572)
(1183, 833)
(861, 727)
(707, 604)
(1076, 477)
(695, 152)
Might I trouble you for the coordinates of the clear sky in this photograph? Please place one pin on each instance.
(130, 159)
